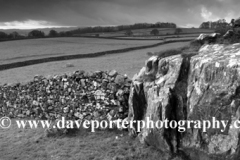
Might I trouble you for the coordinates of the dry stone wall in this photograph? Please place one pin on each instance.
(80, 95)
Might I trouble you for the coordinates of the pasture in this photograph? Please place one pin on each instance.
(21, 50)
(29, 144)
(128, 62)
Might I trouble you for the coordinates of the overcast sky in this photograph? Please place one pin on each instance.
(53, 13)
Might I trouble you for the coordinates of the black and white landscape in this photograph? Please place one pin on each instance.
(108, 60)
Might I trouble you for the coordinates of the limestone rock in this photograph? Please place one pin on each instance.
(200, 87)
(213, 84)
(120, 80)
(112, 73)
(208, 38)
(156, 94)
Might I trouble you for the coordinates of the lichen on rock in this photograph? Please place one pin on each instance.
(198, 87)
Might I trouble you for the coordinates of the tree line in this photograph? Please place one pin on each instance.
(220, 26)
(100, 29)
(221, 23)
(80, 31)
(32, 34)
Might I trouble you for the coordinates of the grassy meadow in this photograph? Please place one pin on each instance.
(28, 49)
(21, 50)
(125, 63)
(29, 144)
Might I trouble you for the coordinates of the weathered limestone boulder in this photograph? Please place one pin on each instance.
(213, 90)
(194, 88)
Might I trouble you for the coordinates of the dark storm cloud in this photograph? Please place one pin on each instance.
(115, 12)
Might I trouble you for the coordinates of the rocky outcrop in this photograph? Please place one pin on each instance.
(208, 38)
(190, 88)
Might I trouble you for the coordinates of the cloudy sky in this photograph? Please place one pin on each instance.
(52, 13)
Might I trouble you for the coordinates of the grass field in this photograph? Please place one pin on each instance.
(160, 37)
(129, 63)
(28, 144)
(52, 47)
(49, 47)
